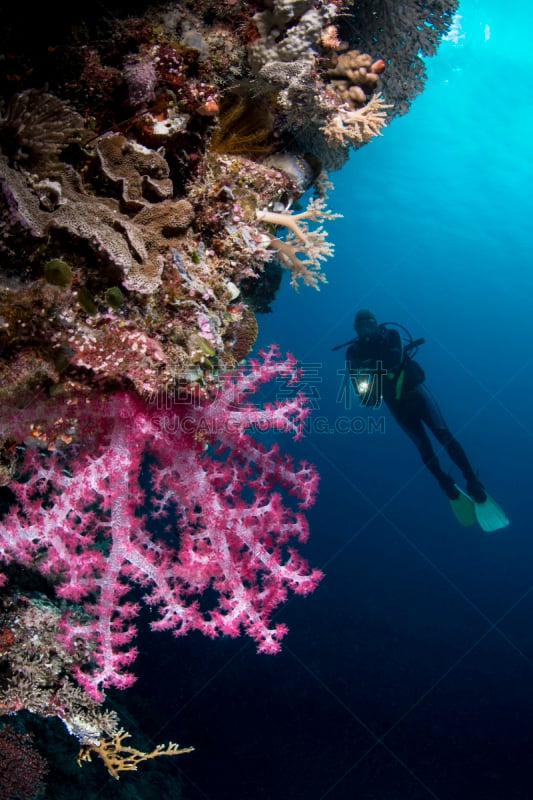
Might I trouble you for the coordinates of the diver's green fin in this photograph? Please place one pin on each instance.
(464, 508)
(490, 515)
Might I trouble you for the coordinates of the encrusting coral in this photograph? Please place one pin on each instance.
(139, 171)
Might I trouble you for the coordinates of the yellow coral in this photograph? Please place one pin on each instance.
(245, 126)
(118, 757)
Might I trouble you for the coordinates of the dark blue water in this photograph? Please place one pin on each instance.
(408, 674)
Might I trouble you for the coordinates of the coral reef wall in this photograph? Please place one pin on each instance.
(152, 160)
(140, 149)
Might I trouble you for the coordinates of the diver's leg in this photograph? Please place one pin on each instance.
(433, 418)
(474, 487)
(415, 430)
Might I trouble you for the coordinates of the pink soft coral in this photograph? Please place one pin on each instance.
(182, 503)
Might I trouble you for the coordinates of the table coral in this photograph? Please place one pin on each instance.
(400, 34)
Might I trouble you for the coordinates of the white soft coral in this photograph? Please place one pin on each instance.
(357, 126)
(304, 249)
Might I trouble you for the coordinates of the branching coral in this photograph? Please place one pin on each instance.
(36, 671)
(358, 126)
(304, 249)
(119, 757)
(233, 511)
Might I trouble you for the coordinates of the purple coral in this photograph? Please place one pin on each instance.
(141, 77)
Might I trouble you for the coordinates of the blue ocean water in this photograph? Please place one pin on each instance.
(409, 672)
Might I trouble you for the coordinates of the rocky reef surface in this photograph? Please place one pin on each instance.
(151, 160)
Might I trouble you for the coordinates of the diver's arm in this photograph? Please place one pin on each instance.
(355, 364)
(352, 357)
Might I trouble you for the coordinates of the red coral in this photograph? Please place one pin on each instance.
(7, 639)
(22, 768)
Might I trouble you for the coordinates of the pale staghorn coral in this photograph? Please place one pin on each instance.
(303, 250)
(357, 126)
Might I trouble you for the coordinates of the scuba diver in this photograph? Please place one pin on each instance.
(382, 367)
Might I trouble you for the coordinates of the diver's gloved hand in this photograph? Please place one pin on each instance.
(476, 490)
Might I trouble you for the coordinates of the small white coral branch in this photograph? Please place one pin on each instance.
(350, 125)
(303, 250)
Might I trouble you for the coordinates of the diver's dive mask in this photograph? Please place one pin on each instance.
(365, 323)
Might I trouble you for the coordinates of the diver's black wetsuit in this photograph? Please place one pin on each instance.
(410, 401)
